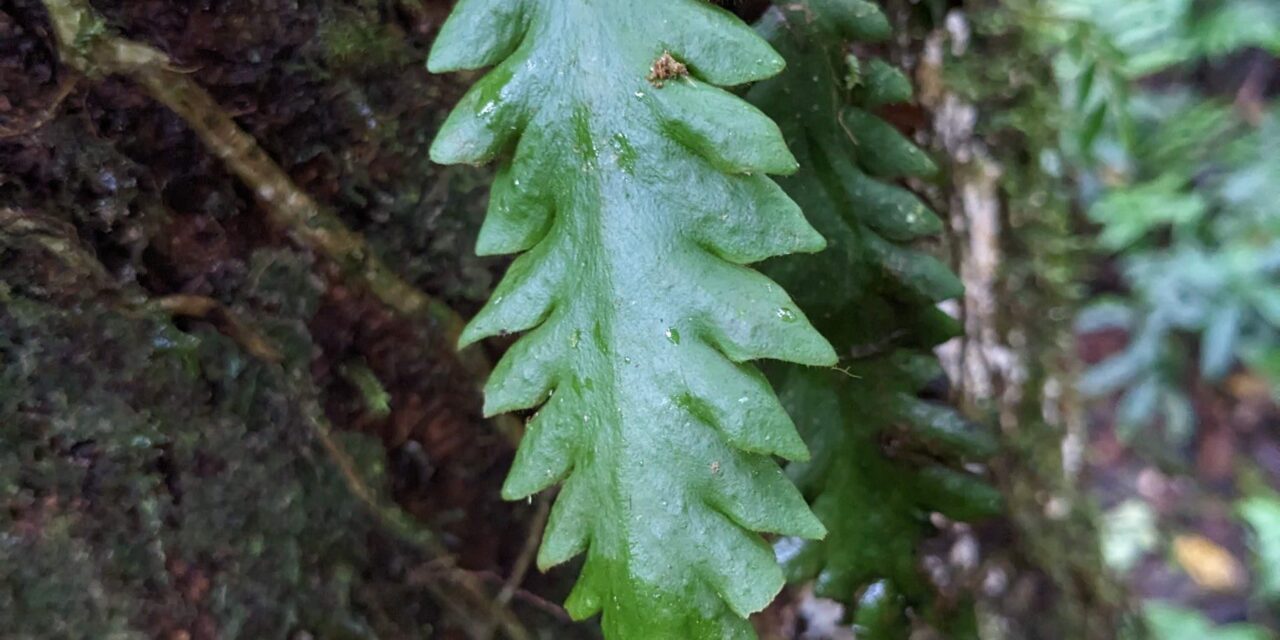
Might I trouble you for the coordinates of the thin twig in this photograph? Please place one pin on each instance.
(87, 47)
(530, 550)
(525, 559)
(57, 237)
(44, 115)
(194, 306)
(472, 627)
(469, 585)
(392, 516)
(524, 595)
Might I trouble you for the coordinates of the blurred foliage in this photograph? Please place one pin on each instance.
(1169, 622)
(1103, 48)
(1184, 186)
(1128, 532)
(1262, 513)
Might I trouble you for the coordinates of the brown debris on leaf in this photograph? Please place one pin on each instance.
(666, 68)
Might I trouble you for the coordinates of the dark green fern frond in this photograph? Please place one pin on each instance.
(848, 160)
(636, 190)
(875, 296)
(875, 505)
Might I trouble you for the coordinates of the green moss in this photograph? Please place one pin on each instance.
(352, 41)
(157, 480)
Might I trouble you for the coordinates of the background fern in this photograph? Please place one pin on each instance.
(1184, 189)
(884, 458)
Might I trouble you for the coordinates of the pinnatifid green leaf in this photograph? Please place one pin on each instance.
(875, 505)
(870, 223)
(636, 189)
(884, 459)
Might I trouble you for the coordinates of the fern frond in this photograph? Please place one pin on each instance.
(874, 295)
(636, 189)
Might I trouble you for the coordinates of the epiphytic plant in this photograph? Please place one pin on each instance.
(637, 190)
(884, 459)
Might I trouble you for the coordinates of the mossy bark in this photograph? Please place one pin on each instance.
(163, 475)
(1017, 243)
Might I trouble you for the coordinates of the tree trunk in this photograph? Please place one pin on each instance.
(1014, 242)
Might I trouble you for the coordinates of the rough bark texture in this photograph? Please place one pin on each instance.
(171, 356)
(1015, 243)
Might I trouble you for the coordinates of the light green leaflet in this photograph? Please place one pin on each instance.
(636, 208)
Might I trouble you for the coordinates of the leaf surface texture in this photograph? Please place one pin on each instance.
(636, 210)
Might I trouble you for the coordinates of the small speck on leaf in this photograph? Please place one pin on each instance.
(666, 68)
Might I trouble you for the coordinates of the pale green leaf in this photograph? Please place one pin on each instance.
(637, 201)
(1170, 622)
(1262, 513)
